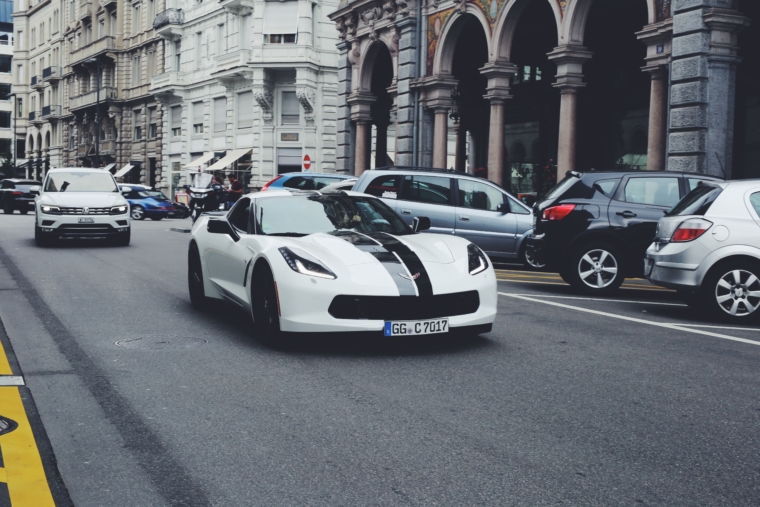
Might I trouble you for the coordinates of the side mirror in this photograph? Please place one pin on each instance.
(221, 227)
(35, 188)
(503, 207)
(420, 224)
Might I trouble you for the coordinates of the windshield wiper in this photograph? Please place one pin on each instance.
(64, 186)
(288, 234)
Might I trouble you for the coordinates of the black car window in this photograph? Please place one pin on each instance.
(697, 202)
(607, 187)
(477, 195)
(7, 184)
(321, 182)
(383, 186)
(428, 189)
(652, 191)
(299, 182)
(238, 216)
(516, 208)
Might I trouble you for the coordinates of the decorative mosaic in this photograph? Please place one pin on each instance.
(562, 5)
(435, 25)
(663, 9)
(491, 9)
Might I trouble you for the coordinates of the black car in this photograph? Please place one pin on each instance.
(16, 194)
(594, 228)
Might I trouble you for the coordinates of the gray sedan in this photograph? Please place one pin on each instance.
(708, 248)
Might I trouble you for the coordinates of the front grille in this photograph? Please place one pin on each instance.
(404, 307)
(85, 230)
(80, 211)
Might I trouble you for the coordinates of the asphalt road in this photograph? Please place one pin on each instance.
(628, 400)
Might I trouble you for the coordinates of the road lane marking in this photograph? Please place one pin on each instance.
(10, 380)
(674, 327)
(615, 301)
(24, 474)
(721, 327)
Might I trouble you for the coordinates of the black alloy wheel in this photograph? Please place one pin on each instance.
(265, 307)
(731, 291)
(596, 268)
(41, 239)
(529, 260)
(195, 279)
(8, 208)
(23, 211)
(123, 238)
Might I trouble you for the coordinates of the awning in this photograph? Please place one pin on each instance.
(280, 18)
(201, 160)
(109, 167)
(123, 171)
(231, 157)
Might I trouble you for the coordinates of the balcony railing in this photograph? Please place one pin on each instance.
(85, 8)
(89, 98)
(84, 149)
(107, 147)
(48, 111)
(35, 80)
(51, 73)
(92, 49)
(169, 17)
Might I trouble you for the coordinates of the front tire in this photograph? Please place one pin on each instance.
(40, 239)
(265, 308)
(23, 211)
(596, 268)
(195, 279)
(529, 261)
(8, 208)
(137, 213)
(123, 238)
(731, 291)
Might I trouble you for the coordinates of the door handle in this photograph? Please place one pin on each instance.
(626, 214)
(406, 211)
(464, 218)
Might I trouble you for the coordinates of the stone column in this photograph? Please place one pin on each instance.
(460, 154)
(703, 87)
(569, 60)
(344, 153)
(363, 146)
(405, 103)
(437, 97)
(499, 76)
(381, 145)
(440, 137)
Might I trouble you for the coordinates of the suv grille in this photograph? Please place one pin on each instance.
(404, 307)
(80, 211)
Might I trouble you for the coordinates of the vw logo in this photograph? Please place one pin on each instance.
(85, 210)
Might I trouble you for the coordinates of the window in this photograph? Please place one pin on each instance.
(432, 189)
(245, 110)
(517, 208)
(239, 215)
(176, 121)
(5, 64)
(5, 119)
(177, 55)
(220, 39)
(101, 27)
(42, 32)
(56, 21)
(197, 117)
(72, 11)
(384, 186)
(477, 195)
(220, 114)
(151, 11)
(136, 22)
(19, 107)
(198, 49)
(280, 22)
(245, 32)
(652, 191)
(34, 38)
(291, 109)
(151, 63)
(606, 186)
(5, 92)
(136, 81)
(281, 38)
(137, 122)
(699, 200)
(152, 125)
(20, 40)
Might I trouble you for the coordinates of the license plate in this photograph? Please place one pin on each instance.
(648, 266)
(86, 221)
(416, 327)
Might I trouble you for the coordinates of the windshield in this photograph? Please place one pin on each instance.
(696, 202)
(301, 216)
(152, 193)
(201, 180)
(75, 181)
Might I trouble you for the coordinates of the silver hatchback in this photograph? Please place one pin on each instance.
(708, 248)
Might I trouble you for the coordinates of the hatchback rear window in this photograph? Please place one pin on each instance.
(697, 202)
(562, 186)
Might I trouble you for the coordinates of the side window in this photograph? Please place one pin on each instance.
(652, 191)
(515, 207)
(383, 186)
(476, 195)
(299, 182)
(607, 186)
(6, 184)
(321, 182)
(429, 189)
(754, 199)
(238, 216)
(694, 182)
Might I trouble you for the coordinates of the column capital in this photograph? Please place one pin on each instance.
(361, 106)
(725, 25)
(569, 60)
(499, 75)
(436, 90)
(658, 38)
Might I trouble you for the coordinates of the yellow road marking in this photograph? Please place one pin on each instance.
(3, 476)
(5, 367)
(624, 286)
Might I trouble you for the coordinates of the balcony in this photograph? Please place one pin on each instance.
(37, 82)
(35, 117)
(239, 7)
(107, 147)
(233, 65)
(137, 91)
(90, 98)
(51, 112)
(85, 9)
(167, 84)
(84, 149)
(51, 74)
(168, 23)
(93, 49)
(106, 3)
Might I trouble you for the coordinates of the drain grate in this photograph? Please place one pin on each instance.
(161, 342)
(7, 425)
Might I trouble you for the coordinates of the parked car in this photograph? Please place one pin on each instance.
(347, 184)
(144, 202)
(708, 249)
(17, 194)
(304, 180)
(594, 228)
(456, 203)
(180, 210)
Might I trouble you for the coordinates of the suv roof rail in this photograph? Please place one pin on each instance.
(417, 168)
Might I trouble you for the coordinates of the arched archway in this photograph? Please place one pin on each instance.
(511, 18)
(381, 79)
(458, 28)
(576, 16)
(30, 145)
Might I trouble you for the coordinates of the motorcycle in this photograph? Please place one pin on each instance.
(205, 195)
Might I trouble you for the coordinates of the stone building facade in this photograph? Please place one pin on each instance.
(530, 89)
(250, 87)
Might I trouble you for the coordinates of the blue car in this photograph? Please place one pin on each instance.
(304, 181)
(144, 202)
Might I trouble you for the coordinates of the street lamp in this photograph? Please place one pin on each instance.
(97, 109)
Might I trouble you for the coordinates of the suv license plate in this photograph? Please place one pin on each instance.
(416, 327)
(86, 221)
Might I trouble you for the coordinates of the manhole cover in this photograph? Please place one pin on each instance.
(161, 342)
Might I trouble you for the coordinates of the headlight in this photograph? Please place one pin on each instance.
(478, 262)
(50, 210)
(306, 264)
(119, 210)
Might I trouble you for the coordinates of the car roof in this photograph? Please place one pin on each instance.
(79, 169)
(307, 173)
(285, 192)
(21, 180)
(740, 184)
(626, 172)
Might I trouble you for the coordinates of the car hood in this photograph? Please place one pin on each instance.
(80, 199)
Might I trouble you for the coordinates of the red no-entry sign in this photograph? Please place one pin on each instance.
(306, 162)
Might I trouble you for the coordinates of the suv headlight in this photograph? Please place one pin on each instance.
(50, 210)
(306, 264)
(119, 210)
(477, 260)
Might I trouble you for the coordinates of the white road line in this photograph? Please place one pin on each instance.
(721, 327)
(633, 319)
(8, 380)
(612, 301)
(623, 287)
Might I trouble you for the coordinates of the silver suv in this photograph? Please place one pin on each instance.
(456, 203)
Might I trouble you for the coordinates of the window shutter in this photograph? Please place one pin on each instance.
(291, 109)
(245, 110)
(197, 112)
(153, 115)
(280, 17)
(176, 116)
(220, 114)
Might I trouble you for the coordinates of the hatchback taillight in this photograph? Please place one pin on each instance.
(690, 229)
(558, 212)
(17, 193)
(270, 182)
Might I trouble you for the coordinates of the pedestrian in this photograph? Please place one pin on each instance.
(236, 190)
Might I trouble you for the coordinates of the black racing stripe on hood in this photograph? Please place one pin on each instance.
(410, 259)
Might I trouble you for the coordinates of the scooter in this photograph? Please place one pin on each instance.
(205, 195)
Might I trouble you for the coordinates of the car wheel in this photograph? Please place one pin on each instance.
(529, 260)
(156, 218)
(23, 211)
(195, 279)
(596, 268)
(137, 213)
(8, 208)
(732, 291)
(123, 238)
(41, 239)
(265, 306)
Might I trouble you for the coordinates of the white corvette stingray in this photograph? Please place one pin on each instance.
(333, 262)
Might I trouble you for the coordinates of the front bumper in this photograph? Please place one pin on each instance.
(543, 251)
(69, 226)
